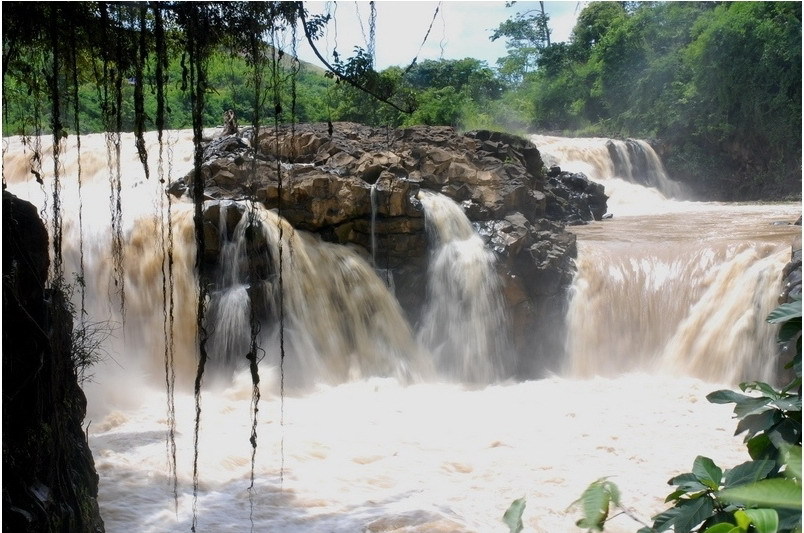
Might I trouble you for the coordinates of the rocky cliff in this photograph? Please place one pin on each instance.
(49, 478)
(340, 183)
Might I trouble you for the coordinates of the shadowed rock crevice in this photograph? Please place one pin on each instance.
(49, 478)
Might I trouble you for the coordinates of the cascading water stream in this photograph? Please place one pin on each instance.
(374, 441)
(671, 286)
(632, 173)
(373, 195)
(670, 305)
(464, 324)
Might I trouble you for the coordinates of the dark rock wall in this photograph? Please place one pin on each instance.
(49, 478)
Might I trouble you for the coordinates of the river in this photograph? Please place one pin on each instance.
(668, 305)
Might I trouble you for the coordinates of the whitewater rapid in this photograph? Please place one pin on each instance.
(374, 455)
(367, 453)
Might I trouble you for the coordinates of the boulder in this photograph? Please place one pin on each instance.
(334, 182)
(575, 199)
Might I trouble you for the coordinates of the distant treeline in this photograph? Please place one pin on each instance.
(716, 86)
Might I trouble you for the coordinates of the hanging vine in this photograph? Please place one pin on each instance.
(195, 18)
(166, 244)
(77, 125)
(109, 82)
(56, 128)
(139, 83)
(257, 59)
(277, 100)
(372, 41)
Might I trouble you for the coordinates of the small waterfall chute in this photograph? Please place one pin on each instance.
(631, 172)
(341, 322)
(464, 322)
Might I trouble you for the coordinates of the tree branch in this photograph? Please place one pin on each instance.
(340, 76)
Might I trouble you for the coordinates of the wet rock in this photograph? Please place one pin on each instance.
(324, 182)
(225, 146)
(575, 198)
(791, 278)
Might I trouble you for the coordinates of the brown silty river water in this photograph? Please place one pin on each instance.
(669, 304)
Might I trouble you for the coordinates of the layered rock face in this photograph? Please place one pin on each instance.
(343, 184)
(49, 478)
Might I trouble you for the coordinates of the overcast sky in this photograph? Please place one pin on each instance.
(461, 28)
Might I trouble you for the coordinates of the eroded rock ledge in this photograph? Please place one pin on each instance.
(327, 184)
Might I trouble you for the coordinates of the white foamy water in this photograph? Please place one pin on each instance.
(464, 324)
(374, 455)
(378, 441)
(684, 293)
(630, 171)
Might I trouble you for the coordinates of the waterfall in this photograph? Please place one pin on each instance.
(464, 322)
(630, 170)
(681, 308)
(342, 322)
(677, 287)
(230, 306)
(369, 436)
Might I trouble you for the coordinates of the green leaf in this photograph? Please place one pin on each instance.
(793, 462)
(776, 492)
(682, 478)
(692, 513)
(785, 432)
(742, 519)
(614, 492)
(795, 363)
(726, 396)
(761, 386)
(724, 527)
(674, 495)
(748, 472)
(789, 330)
(665, 520)
(688, 483)
(792, 403)
(764, 520)
(513, 516)
(789, 519)
(707, 472)
(758, 422)
(751, 405)
(785, 312)
(595, 503)
(760, 447)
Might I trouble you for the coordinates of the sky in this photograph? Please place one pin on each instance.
(461, 29)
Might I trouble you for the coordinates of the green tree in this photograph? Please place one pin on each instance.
(526, 34)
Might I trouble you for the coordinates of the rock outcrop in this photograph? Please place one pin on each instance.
(49, 478)
(336, 185)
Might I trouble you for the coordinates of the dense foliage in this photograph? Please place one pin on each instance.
(717, 86)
